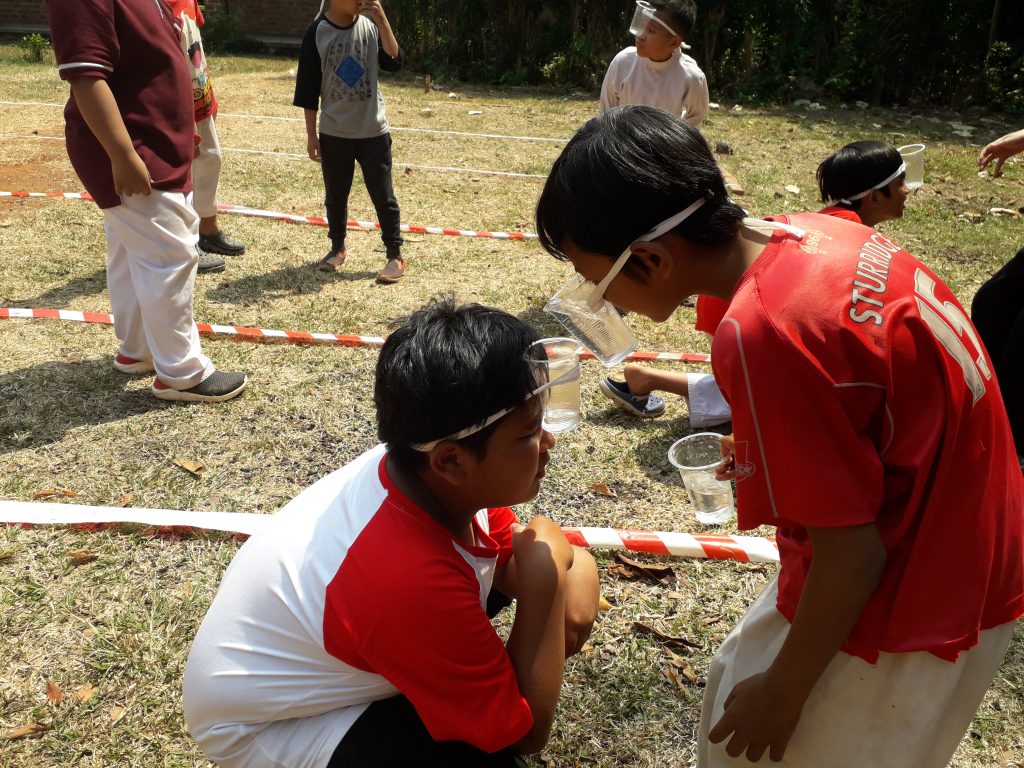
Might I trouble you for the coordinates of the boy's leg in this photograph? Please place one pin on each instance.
(158, 233)
(205, 179)
(997, 304)
(337, 162)
(374, 157)
(123, 302)
(909, 709)
(389, 734)
(707, 406)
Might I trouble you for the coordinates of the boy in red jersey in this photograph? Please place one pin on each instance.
(897, 499)
(129, 129)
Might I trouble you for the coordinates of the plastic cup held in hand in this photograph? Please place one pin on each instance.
(696, 457)
(556, 361)
(913, 156)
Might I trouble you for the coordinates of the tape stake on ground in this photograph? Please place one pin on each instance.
(243, 333)
(316, 221)
(743, 549)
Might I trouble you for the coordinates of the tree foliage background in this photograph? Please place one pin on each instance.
(956, 52)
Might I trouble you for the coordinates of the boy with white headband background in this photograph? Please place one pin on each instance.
(354, 629)
(655, 71)
(869, 430)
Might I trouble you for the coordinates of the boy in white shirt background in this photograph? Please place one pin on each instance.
(655, 72)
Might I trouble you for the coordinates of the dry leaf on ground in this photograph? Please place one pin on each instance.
(85, 693)
(49, 493)
(116, 713)
(679, 642)
(604, 490)
(27, 730)
(125, 500)
(194, 468)
(81, 556)
(659, 574)
(53, 692)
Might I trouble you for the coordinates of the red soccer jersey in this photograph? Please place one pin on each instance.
(861, 394)
(841, 213)
(133, 45)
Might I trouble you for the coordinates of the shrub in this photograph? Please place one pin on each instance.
(34, 46)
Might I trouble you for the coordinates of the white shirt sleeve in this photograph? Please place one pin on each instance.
(609, 88)
(696, 102)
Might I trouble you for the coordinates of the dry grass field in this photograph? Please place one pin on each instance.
(111, 628)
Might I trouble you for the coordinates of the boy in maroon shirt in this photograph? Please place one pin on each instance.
(129, 129)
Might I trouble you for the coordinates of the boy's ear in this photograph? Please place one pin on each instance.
(657, 259)
(448, 462)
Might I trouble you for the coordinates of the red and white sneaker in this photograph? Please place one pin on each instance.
(126, 364)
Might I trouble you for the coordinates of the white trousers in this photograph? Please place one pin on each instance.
(909, 710)
(151, 273)
(206, 170)
(706, 405)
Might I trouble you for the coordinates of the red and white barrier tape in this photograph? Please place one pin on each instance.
(317, 221)
(289, 337)
(744, 549)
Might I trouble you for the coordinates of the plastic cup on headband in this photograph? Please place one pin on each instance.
(913, 156)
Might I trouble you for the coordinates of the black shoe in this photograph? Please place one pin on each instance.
(221, 243)
(208, 262)
(215, 388)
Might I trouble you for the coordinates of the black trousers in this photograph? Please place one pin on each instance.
(998, 313)
(338, 158)
(389, 734)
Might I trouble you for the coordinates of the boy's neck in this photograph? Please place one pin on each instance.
(340, 19)
(732, 262)
(436, 499)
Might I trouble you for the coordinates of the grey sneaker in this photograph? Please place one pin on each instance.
(221, 243)
(208, 262)
(215, 388)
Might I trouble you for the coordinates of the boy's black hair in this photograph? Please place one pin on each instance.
(682, 15)
(854, 169)
(622, 174)
(445, 368)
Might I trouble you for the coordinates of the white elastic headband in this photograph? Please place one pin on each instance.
(889, 180)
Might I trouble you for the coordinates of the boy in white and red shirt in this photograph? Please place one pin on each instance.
(896, 495)
(129, 138)
(353, 630)
(207, 162)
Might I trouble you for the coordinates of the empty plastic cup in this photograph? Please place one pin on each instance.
(557, 362)
(696, 457)
(913, 156)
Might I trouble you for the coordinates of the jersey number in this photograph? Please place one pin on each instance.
(950, 327)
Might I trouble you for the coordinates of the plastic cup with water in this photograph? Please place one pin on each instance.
(696, 457)
(913, 156)
(557, 362)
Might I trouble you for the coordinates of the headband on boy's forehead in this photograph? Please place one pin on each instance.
(884, 183)
(646, 12)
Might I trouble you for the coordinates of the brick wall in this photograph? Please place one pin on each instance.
(258, 18)
(22, 13)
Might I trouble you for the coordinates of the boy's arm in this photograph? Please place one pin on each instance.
(99, 109)
(696, 102)
(582, 594)
(1001, 150)
(609, 98)
(762, 711)
(536, 644)
(312, 139)
(373, 10)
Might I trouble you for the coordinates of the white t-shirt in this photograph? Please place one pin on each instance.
(676, 85)
(349, 595)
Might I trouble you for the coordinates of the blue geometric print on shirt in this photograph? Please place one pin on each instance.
(350, 71)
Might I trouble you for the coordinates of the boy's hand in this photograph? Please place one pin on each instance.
(1001, 150)
(727, 469)
(196, 141)
(313, 148)
(760, 716)
(582, 594)
(372, 10)
(131, 177)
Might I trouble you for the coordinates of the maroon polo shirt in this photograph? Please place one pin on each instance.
(133, 45)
